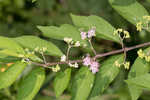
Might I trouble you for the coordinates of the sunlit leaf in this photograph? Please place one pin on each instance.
(61, 81)
(104, 30)
(131, 10)
(31, 84)
(61, 32)
(82, 84)
(107, 73)
(10, 45)
(33, 42)
(11, 74)
(139, 68)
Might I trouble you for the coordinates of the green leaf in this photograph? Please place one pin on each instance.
(8, 59)
(131, 10)
(10, 45)
(8, 52)
(61, 81)
(82, 84)
(31, 84)
(33, 1)
(141, 81)
(103, 29)
(43, 97)
(33, 42)
(107, 73)
(139, 68)
(11, 74)
(148, 1)
(135, 91)
(60, 33)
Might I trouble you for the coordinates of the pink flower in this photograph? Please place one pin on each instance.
(94, 67)
(87, 61)
(83, 35)
(91, 33)
(94, 64)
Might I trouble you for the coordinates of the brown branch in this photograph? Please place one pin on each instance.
(95, 57)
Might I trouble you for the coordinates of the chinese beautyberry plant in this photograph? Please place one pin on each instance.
(28, 60)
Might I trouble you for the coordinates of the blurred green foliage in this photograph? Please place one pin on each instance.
(20, 17)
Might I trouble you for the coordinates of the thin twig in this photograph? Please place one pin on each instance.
(68, 50)
(44, 58)
(92, 47)
(124, 50)
(95, 57)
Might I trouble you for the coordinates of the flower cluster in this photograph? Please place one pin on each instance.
(117, 63)
(142, 55)
(147, 18)
(29, 54)
(72, 43)
(119, 31)
(63, 58)
(139, 26)
(40, 50)
(68, 40)
(94, 65)
(125, 64)
(26, 56)
(56, 69)
(75, 65)
(89, 34)
(144, 24)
